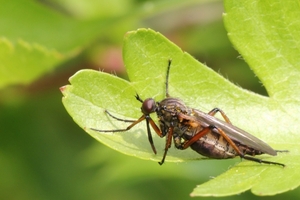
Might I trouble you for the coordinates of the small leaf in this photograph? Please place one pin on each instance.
(36, 23)
(35, 39)
(23, 62)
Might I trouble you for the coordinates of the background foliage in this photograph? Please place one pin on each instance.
(44, 154)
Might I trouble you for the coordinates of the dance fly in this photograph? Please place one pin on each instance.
(189, 127)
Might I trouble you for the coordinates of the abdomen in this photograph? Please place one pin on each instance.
(213, 145)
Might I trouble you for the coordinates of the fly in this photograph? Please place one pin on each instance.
(188, 127)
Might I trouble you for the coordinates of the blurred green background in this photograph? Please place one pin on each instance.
(45, 155)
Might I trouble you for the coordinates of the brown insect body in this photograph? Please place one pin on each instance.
(211, 145)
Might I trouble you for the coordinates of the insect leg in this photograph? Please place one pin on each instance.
(150, 137)
(155, 128)
(132, 125)
(262, 161)
(125, 129)
(192, 123)
(119, 119)
(225, 136)
(282, 151)
(135, 122)
(196, 137)
(168, 144)
(215, 110)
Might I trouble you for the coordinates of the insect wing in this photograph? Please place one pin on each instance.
(233, 132)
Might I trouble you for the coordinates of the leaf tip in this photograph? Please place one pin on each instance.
(63, 89)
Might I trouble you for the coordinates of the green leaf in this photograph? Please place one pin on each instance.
(146, 54)
(35, 39)
(91, 92)
(36, 23)
(269, 46)
(266, 33)
(23, 62)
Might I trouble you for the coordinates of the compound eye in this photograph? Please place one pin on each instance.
(148, 106)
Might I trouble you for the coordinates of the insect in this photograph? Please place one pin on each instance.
(204, 133)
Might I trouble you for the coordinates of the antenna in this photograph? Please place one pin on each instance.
(167, 78)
